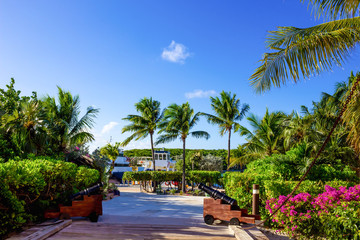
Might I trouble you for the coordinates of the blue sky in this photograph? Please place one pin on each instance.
(113, 53)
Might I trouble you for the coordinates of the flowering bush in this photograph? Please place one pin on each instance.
(333, 214)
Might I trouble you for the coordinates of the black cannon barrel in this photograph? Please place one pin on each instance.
(87, 191)
(217, 195)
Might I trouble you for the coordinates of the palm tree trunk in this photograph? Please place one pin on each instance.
(153, 159)
(183, 173)
(152, 150)
(228, 156)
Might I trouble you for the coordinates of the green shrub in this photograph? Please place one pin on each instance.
(163, 176)
(30, 186)
(211, 177)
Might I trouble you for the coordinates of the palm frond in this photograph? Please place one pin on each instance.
(200, 134)
(302, 52)
(335, 8)
(166, 138)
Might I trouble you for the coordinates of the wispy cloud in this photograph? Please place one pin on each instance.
(108, 127)
(199, 94)
(175, 52)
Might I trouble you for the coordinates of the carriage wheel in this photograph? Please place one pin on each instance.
(93, 217)
(208, 219)
(63, 216)
(234, 221)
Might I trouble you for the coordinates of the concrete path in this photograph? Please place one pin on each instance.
(136, 215)
(134, 206)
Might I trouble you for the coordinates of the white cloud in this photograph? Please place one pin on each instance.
(144, 144)
(108, 127)
(199, 94)
(175, 52)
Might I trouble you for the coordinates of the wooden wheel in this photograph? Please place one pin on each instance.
(234, 221)
(208, 219)
(93, 217)
(64, 216)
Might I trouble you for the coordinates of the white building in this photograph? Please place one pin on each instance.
(163, 162)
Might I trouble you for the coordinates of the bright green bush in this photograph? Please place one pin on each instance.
(211, 177)
(30, 186)
(163, 176)
(239, 186)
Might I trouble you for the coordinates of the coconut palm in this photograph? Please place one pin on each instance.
(228, 113)
(65, 127)
(144, 124)
(302, 52)
(111, 152)
(266, 138)
(177, 123)
(26, 125)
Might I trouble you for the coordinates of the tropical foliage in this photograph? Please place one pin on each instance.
(30, 186)
(297, 53)
(111, 152)
(43, 127)
(177, 123)
(228, 113)
(145, 124)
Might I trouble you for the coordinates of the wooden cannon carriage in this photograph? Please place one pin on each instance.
(82, 205)
(222, 207)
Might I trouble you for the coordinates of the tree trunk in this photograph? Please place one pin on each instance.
(228, 157)
(153, 159)
(152, 150)
(183, 173)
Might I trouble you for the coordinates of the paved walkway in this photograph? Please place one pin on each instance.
(136, 215)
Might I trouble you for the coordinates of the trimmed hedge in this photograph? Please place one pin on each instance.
(29, 187)
(210, 177)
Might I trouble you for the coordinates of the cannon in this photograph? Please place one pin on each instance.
(217, 195)
(87, 191)
(86, 203)
(224, 208)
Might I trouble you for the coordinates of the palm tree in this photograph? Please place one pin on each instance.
(227, 113)
(111, 152)
(266, 138)
(177, 123)
(65, 127)
(144, 124)
(26, 125)
(302, 52)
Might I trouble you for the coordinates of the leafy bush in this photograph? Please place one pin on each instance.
(333, 214)
(163, 176)
(30, 186)
(211, 177)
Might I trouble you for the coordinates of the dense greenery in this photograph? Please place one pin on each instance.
(46, 126)
(177, 123)
(209, 177)
(228, 113)
(278, 174)
(144, 124)
(30, 186)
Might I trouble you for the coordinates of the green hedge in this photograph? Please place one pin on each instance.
(211, 177)
(30, 186)
(239, 186)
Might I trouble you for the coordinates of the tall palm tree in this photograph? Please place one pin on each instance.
(111, 152)
(177, 123)
(26, 125)
(228, 113)
(302, 52)
(65, 127)
(266, 138)
(144, 124)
